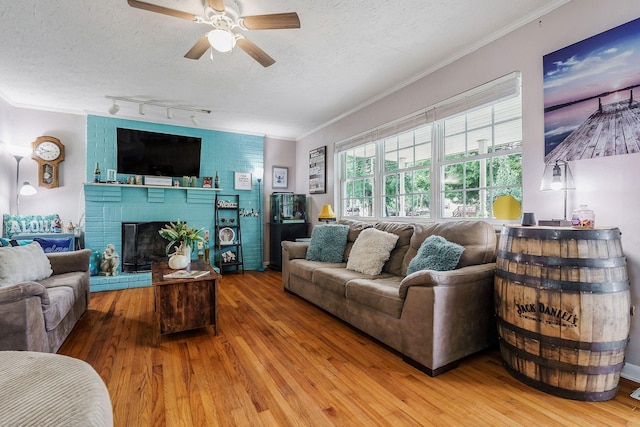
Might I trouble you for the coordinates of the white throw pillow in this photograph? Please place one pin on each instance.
(23, 264)
(371, 250)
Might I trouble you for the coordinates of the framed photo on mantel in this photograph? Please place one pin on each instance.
(317, 170)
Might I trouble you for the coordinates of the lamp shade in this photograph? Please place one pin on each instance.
(557, 176)
(506, 207)
(326, 214)
(27, 189)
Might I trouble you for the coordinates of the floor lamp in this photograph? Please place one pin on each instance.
(27, 189)
(259, 172)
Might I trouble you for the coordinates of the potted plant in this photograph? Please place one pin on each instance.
(180, 234)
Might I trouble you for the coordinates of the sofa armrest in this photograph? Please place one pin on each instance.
(19, 291)
(449, 316)
(22, 319)
(294, 250)
(462, 275)
(66, 262)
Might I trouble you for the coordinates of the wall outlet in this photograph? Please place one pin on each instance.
(636, 394)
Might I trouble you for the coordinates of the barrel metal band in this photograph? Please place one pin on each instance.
(587, 396)
(562, 366)
(552, 261)
(566, 234)
(564, 285)
(561, 342)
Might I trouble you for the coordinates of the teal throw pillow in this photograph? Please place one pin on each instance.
(436, 253)
(13, 242)
(328, 243)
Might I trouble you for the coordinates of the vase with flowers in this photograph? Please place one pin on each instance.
(180, 234)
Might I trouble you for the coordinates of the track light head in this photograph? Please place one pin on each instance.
(194, 120)
(114, 108)
(142, 109)
(169, 113)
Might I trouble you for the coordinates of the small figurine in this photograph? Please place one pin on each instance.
(110, 261)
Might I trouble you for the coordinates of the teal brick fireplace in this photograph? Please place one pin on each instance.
(107, 206)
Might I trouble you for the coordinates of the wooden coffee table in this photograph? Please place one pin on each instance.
(184, 304)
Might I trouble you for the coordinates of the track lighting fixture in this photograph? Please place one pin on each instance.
(114, 108)
(169, 108)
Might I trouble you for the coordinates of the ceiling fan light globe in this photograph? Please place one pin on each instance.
(221, 40)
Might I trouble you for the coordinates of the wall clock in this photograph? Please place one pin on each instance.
(48, 152)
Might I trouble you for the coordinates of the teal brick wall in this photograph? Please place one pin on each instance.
(106, 207)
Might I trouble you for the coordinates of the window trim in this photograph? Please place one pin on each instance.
(498, 90)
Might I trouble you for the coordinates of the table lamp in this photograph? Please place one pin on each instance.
(326, 214)
(557, 177)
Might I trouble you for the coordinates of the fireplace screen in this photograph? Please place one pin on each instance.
(142, 245)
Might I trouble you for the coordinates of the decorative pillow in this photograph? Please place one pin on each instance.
(328, 243)
(23, 264)
(55, 245)
(436, 253)
(371, 250)
(16, 224)
(15, 242)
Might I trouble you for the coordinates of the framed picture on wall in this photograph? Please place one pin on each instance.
(317, 170)
(242, 181)
(280, 177)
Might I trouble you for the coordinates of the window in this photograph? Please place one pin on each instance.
(449, 161)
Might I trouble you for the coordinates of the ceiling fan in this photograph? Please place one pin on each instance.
(224, 19)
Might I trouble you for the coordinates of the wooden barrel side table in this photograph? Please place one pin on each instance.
(562, 303)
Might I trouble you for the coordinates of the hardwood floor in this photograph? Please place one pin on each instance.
(279, 361)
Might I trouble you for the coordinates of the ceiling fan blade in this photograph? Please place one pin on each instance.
(217, 5)
(161, 9)
(255, 52)
(199, 48)
(272, 22)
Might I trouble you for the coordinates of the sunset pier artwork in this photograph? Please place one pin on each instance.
(612, 129)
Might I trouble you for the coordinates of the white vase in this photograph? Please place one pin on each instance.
(177, 262)
(181, 258)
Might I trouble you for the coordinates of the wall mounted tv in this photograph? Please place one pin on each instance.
(160, 154)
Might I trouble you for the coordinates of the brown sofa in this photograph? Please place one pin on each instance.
(39, 315)
(433, 318)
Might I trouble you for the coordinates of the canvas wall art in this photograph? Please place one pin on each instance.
(591, 93)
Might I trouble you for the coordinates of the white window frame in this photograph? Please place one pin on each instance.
(506, 87)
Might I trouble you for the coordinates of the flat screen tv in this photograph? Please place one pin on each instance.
(160, 154)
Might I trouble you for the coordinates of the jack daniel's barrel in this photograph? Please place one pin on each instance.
(562, 304)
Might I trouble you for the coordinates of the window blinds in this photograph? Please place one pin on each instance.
(500, 89)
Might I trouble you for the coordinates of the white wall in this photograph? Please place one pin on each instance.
(21, 127)
(277, 152)
(610, 186)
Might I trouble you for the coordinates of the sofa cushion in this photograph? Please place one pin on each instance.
(304, 269)
(477, 237)
(371, 251)
(404, 232)
(378, 294)
(334, 279)
(355, 228)
(23, 263)
(61, 300)
(327, 243)
(436, 253)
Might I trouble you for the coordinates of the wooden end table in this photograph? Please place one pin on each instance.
(184, 304)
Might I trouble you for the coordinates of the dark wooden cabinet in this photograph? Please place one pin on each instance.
(278, 234)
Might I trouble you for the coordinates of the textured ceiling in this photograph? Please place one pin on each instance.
(66, 55)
